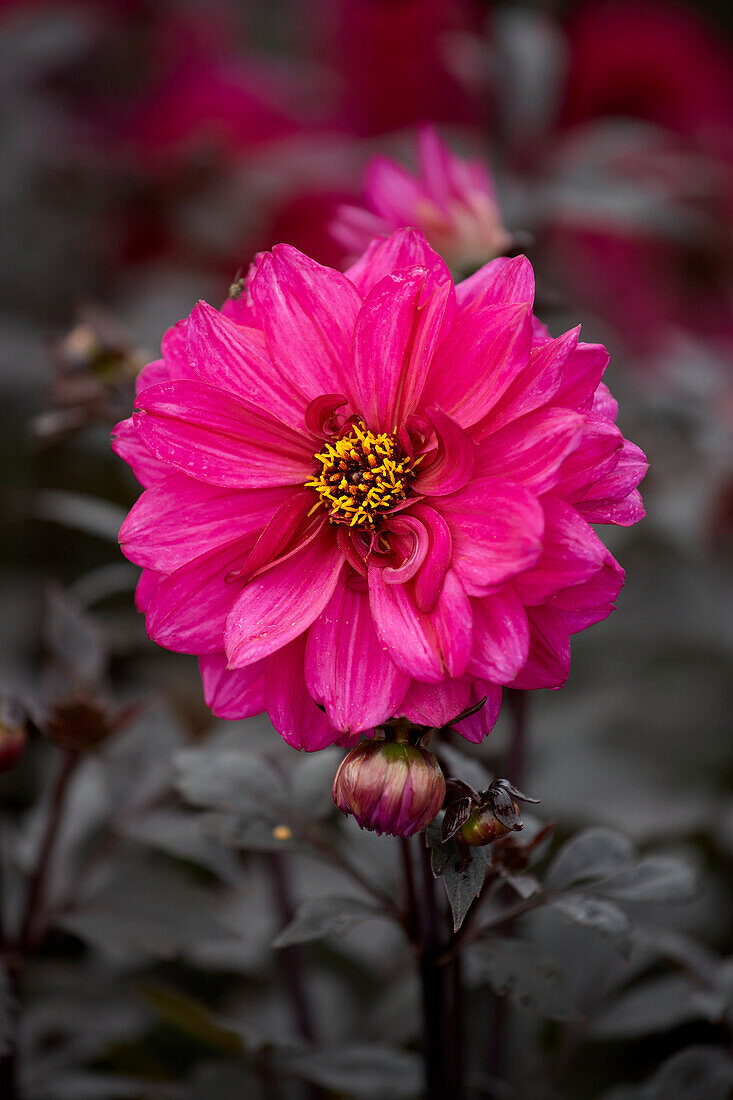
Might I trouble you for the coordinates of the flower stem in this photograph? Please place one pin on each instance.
(37, 881)
(516, 754)
(432, 980)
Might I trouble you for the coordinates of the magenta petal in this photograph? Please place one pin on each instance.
(452, 464)
(347, 668)
(188, 609)
(435, 704)
(430, 647)
(604, 403)
(603, 499)
(592, 601)
(502, 282)
(217, 438)
(308, 313)
(282, 602)
(479, 725)
(292, 710)
(394, 340)
(496, 527)
(533, 387)
(404, 249)
(429, 579)
(236, 359)
(500, 637)
(531, 450)
(179, 519)
(232, 694)
(571, 554)
(595, 457)
(548, 664)
(486, 351)
(145, 588)
(624, 513)
(581, 375)
(286, 529)
(127, 444)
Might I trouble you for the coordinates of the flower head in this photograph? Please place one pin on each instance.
(369, 495)
(452, 201)
(390, 787)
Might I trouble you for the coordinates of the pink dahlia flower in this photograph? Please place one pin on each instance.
(370, 494)
(452, 201)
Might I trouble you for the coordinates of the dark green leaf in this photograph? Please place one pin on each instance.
(319, 917)
(599, 914)
(358, 1070)
(592, 854)
(658, 1005)
(653, 879)
(534, 983)
(192, 1017)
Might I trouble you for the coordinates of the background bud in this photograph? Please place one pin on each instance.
(390, 787)
(13, 733)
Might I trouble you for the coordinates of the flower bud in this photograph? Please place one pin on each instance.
(482, 827)
(390, 787)
(13, 733)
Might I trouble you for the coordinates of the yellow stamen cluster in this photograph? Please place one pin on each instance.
(362, 476)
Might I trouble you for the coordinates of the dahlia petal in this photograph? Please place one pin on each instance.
(435, 704)
(428, 647)
(500, 637)
(404, 249)
(431, 574)
(285, 530)
(533, 387)
(390, 190)
(394, 341)
(501, 282)
(179, 519)
(486, 351)
(453, 463)
(571, 554)
(531, 450)
(235, 359)
(232, 694)
(604, 403)
(411, 538)
(127, 444)
(548, 664)
(146, 586)
(282, 602)
(582, 373)
(187, 612)
(347, 668)
(289, 705)
(308, 313)
(594, 458)
(355, 229)
(175, 354)
(220, 439)
(477, 726)
(624, 513)
(152, 374)
(496, 527)
(592, 601)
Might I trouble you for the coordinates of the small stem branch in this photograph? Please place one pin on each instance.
(38, 879)
(516, 754)
(411, 905)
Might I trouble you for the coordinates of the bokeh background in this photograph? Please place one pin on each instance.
(148, 150)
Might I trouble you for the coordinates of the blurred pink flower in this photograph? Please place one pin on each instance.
(370, 494)
(451, 200)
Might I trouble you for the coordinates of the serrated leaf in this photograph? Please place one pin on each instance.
(653, 879)
(601, 915)
(358, 1070)
(231, 780)
(534, 983)
(591, 855)
(463, 887)
(658, 1005)
(319, 917)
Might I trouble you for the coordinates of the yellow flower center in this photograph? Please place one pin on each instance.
(362, 476)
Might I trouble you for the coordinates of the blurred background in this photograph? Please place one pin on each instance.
(149, 149)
